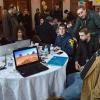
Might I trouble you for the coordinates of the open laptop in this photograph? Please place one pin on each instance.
(7, 49)
(2, 50)
(87, 66)
(27, 61)
(22, 43)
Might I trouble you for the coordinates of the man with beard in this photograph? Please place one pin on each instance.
(86, 47)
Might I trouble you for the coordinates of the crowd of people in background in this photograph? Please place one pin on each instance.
(78, 36)
(12, 20)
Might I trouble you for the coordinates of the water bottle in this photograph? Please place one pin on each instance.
(51, 49)
(46, 51)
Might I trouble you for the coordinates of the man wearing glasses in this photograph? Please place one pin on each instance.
(89, 19)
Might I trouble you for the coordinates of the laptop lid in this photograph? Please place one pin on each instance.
(2, 50)
(87, 66)
(22, 43)
(25, 56)
(7, 49)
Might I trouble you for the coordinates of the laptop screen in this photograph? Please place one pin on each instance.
(26, 56)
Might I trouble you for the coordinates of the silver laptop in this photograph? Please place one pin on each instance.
(7, 49)
(22, 43)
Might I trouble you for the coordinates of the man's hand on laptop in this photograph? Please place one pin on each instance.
(81, 68)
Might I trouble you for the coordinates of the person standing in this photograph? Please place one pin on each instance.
(6, 24)
(27, 23)
(89, 19)
(37, 18)
(45, 31)
(57, 13)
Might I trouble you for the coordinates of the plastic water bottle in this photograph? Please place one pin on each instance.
(46, 51)
(51, 49)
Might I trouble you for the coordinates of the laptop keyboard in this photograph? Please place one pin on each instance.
(32, 69)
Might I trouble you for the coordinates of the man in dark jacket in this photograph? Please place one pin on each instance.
(45, 31)
(88, 19)
(37, 18)
(86, 47)
(64, 40)
(27, 23)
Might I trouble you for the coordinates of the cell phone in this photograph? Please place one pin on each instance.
(59, 52)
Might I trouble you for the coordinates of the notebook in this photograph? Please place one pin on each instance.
(57, 61)
(27, 61)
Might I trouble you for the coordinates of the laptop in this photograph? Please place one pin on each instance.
(87, 66)
(2, 50)
(7, 49)
(27, 61)
(22, 43)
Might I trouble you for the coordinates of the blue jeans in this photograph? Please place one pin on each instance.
(74, 86)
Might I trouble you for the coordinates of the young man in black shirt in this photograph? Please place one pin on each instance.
(86, 47)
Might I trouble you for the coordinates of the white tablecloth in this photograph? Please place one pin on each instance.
(35, 87)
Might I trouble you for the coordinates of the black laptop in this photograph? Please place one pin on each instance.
(87, 66)
(27, 61)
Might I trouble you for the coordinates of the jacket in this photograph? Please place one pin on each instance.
(91, 82)
(66, 43)
(46, 33)
(92, 23)
(85, 50)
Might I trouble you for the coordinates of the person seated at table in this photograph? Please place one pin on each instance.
(64, 40)
(20, 35)
(87, 46)
(36, 39)
(4, 40)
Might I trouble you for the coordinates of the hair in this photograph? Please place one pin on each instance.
(4, 40)
(84, 30)
(81, 7)
(62, 25)
(37, 9)
(22, 29)
(66, 11)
